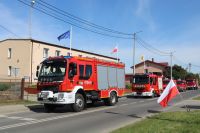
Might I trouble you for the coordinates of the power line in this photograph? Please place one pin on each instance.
(78, 19)
(151, 49)
(6, 29)
(71, 23)
(178, 60)
(195, 65)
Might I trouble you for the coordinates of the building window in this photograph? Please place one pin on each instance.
(68, 53)
(9, 70)
(57, 53)
(45, 52)
(9, 52)
(15, 71)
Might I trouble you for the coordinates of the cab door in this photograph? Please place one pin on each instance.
(72, 74)
(85, 78)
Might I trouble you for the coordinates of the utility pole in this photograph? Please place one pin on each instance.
(30, 21)
(190, 65)
(171, 55)
(134, 38)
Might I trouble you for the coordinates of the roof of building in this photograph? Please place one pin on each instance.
(162, 64)
(55, 45)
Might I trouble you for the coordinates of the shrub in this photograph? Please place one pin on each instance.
(128, 86)
(4, 87)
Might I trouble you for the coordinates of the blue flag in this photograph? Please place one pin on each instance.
(64, 35)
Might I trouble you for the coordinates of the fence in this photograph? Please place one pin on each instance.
(12, 89)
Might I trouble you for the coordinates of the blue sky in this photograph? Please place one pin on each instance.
(167, 25)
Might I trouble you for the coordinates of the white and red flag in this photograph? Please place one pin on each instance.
(115, 49)
(168, 94)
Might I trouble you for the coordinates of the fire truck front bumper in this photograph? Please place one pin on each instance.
(48, 97)
(148, 94)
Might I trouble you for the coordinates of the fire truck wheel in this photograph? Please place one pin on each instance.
(79, 103)
(112, 100)
(49, 107)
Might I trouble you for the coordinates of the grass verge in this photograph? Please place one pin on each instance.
(170, 122)
(15, 102)
(196, 98)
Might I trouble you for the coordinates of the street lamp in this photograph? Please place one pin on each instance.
(30, 21)
(134, 38)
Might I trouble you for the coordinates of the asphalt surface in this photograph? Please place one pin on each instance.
(96, 119)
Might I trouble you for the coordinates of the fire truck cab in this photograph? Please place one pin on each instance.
(181, 85)
(76, 81)
(147, 85)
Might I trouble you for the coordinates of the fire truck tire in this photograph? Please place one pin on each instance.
(79, 103)
(112, 100)
(49, 107)
(154, 94)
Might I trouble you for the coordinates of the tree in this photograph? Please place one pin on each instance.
(177, 72)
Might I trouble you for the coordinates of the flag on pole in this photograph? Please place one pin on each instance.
(115, 50)
(168, 94)
(142, 58)
(64, 35)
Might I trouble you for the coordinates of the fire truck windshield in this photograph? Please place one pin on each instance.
(141, 80)
(53, 69)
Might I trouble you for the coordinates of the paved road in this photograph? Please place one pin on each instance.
(97, 119)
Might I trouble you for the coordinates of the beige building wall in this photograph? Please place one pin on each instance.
(28, 54)
(19, 60)
(151, 68)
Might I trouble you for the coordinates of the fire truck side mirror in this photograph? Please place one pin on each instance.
(37, 73)
(38, 67)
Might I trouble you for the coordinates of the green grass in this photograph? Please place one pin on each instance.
(196, 98)
(15, 102)
(171, 122)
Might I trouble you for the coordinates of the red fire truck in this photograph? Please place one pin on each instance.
(192, 84)
(77, 80)
(181, 85)
(165, 82)
(147, 85)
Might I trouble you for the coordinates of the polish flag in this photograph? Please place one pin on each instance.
(115, 49)
(168, 94)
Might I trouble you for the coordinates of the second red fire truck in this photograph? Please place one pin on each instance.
(147, 85)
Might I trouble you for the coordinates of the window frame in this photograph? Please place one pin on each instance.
(57, 53)
(9, 53)
(45, 53)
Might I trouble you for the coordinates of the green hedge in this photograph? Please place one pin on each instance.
(128, 86)
(4, 87)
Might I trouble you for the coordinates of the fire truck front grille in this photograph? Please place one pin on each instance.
(50, 88)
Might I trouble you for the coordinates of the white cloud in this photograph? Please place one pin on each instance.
(143, 11)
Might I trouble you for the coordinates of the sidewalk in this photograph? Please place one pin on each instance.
(186, 105)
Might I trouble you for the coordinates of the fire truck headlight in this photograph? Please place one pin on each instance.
(60, 96)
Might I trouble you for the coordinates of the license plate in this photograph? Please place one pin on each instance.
(44, 95)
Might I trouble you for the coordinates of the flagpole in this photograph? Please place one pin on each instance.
(171, 55)
(117, 53)
(181, 97)
(70, 41)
